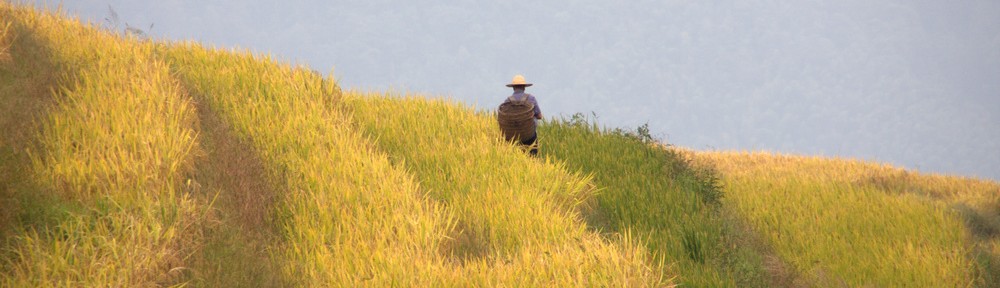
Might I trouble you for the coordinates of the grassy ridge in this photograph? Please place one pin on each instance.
(855, 223)
(653, 192)
(115, 146)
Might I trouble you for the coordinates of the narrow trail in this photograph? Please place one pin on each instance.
(231, 176)
(776, 272)
(27, 79)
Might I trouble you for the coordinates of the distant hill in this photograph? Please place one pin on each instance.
(129, 162)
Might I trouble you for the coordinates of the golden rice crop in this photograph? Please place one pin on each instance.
(348, 217)
(840, 221)
(116, 145)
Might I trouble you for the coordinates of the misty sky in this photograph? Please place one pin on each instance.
(914, 83)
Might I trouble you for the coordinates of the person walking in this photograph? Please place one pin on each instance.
(518, 114)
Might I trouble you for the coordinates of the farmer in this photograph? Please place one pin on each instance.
(519, 96)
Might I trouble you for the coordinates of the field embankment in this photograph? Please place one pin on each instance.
(129, 162)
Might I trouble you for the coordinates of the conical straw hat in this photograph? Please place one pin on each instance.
(518, 81)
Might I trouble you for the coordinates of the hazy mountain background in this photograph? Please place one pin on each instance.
(909, 82)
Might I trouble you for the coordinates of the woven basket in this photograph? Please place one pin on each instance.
(517, 120)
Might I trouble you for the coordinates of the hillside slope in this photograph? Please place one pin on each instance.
(217, 168)
(127, 162)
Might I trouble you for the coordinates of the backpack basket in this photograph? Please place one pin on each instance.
(516, 119)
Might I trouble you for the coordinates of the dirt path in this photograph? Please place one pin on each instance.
(230, 174)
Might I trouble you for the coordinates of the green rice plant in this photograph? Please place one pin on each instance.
(836, 223)
(521, 218)
(116, 144)
(650, 191)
